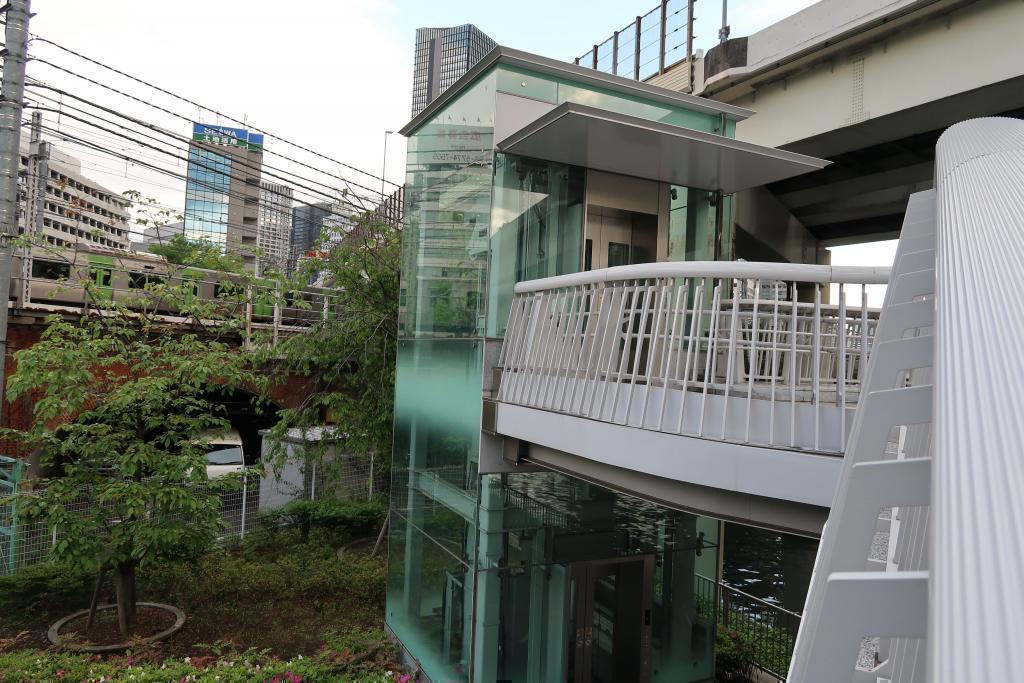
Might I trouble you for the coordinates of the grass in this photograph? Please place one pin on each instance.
(271, 607)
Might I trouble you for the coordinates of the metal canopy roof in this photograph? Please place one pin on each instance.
(578, 74)
(617, 143)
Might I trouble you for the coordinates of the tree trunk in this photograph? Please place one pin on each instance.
(124, 585)
(102, 574)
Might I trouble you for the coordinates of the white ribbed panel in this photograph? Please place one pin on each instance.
(977, 611)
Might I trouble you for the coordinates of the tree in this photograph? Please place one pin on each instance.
(182, 251)
(351, 354)
(146, 212)
(121, 403)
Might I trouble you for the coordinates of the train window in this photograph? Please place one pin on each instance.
(101, 276)
(50, 270)
(137, 280)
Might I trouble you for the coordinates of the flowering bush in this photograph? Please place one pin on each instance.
(734, 657)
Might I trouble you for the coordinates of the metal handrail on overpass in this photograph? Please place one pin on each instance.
(734, 351)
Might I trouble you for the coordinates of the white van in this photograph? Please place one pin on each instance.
(224, 453)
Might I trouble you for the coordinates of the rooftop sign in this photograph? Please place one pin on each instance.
(231, 137)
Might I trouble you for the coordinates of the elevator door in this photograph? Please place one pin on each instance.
(618, 238)
(610, 632)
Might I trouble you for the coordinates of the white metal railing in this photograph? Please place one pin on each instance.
(743, 352)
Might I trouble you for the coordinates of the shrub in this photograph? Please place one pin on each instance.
(49, 582)
(353, 519)
(734, 657)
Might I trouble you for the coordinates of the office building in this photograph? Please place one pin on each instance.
(222, 194)
(75, 208)
(315, 228)
(442, 56)
(158, 234)
(274, 227)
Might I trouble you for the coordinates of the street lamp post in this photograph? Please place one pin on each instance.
(384, 167)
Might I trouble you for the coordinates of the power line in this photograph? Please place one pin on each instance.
(235, 162)
(191, 161)
(212, 111)
(344, 180)
(202, 107)
(248, 228)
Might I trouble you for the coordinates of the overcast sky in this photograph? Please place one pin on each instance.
(331, 75)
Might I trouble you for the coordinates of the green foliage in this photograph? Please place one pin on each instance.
(274, 597)
(227, 667)
(734, 657)
(51, 583)
(121, 401)
(354, 519)
(197, 254)
(350, 356)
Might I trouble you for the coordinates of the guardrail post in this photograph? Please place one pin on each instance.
(636, 50)
(615, 53)
(245, 491)
(661, 41)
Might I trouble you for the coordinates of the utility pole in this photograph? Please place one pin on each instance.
(35, 200)
(15, 55)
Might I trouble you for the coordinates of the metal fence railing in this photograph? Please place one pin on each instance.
(261, 491)
(739, 352)
(647, 46)
(768, 630)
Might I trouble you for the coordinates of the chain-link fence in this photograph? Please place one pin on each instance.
(343, 477)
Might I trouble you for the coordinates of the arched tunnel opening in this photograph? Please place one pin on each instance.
(249, 415)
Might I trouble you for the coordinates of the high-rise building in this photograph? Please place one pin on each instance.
(443, 55)
(76, 209)
(274, 227)
(307, 223)
(158, 234)
(222, 194)
(311, 223)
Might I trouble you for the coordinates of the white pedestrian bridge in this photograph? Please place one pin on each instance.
(732, 383)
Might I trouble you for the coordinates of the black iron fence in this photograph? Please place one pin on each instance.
(767, 629)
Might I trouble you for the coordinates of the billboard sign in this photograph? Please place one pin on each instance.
(223, 135)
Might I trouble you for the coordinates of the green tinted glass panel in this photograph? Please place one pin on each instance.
(527, 84)
(692, 226)
(618, 254)
(553, 525)
(429, 601)
(437, 412)
(448, 200)
(558, 90)
(536, 228)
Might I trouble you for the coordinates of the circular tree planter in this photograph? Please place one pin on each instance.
(362, 546)
(54, 633)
